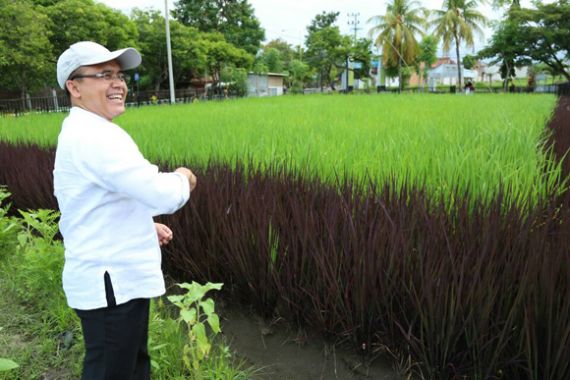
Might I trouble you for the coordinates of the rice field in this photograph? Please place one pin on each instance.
(472, 144)
(454, 292)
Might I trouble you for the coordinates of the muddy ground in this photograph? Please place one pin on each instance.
(282, 353)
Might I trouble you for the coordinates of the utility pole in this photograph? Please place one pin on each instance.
(353, 22)
(169, 53)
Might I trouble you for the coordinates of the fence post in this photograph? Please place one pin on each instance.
(54, 97)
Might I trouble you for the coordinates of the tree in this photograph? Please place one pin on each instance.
(456, 23)
(545, 35)
(322, 21)
(234, 19)
(275, 56)
(272, 60)
(359, 50)
(26, 58)
(299, 73)
(221, 54)
(189, 50)
(324, 47)
(396, 32)
(469, 61)
(85, 20)
(533, 35)
(504, 49)
(286, 52)
(427, 55)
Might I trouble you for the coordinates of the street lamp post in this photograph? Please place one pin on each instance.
(169, 53)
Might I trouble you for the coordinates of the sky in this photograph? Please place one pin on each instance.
(288, 19)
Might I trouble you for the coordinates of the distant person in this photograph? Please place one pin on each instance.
(108, 194)
(469, 88)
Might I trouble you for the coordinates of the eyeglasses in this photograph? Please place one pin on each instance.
(107, 75)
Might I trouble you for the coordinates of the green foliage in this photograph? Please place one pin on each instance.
(328, 50)
(504, 50)
(33, 303)
(286, 52)
(189, 50)
(86, 20)
(539, 35)
(40, 223)
(299, 73)
(237, 79)
(469, 61)
(40, 259)
(24, 34)
(322, 21)
(235, 20)
(272, 59)
(9, 227)
(396, 33)
(427, 54)
(7, 364)
(457, 23)
(195, 312)
(221, 54)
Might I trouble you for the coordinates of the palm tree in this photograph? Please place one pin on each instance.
(457, 22)
(396, 33)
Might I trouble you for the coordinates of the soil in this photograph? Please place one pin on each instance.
(284, 354)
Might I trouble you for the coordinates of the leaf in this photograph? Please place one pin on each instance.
(188, 316)
(199, 331)
(7, 365)
(208, 306)
(213, 286)
(175, 299)
(214, 323)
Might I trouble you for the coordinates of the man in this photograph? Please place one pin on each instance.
(108, 194)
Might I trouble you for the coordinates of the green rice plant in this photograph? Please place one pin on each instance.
(476, 144)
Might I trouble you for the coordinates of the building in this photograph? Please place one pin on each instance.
(492, 73)
(445, 74)
(270, 84)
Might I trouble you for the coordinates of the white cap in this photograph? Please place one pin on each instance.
(86, 53)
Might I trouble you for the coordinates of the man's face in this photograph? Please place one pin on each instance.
(101, 96)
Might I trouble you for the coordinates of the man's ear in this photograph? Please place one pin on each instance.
(72, 88)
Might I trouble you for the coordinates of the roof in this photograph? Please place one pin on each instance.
(269, 74)
(446, 70)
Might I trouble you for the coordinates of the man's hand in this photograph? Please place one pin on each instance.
(164, 234)
(188, 174)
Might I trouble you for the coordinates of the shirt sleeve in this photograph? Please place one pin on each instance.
(113, 161)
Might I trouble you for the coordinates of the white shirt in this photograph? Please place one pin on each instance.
(108, 194)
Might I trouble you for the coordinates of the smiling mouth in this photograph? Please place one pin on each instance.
(115, 97)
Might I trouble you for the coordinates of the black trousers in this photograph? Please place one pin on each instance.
(116, 339)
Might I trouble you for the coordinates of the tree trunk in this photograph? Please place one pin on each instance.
(459, 87)
(400, 84)
(507, 77)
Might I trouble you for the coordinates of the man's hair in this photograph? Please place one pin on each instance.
(75, 72)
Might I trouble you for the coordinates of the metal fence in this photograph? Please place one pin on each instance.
(59, 103)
